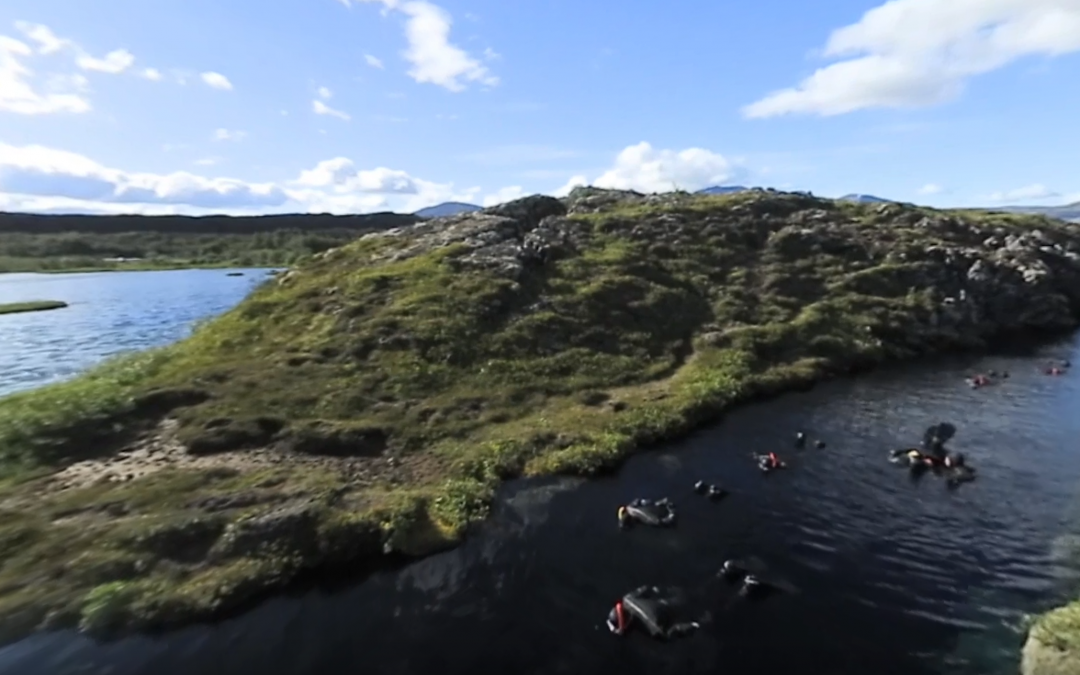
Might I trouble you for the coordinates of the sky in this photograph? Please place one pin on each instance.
(352, 106)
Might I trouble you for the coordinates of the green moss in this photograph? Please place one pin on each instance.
(31, 306)
(1059, 628)
(459, 374)
(105, 605)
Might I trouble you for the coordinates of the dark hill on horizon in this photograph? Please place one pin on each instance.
(66, 243)
(33, 223)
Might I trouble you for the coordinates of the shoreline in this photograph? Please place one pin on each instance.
(149, 268)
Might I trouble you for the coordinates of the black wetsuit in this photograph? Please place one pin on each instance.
(768, 463)
(959, 471)
(654, 610)
(658, 513)
(748, 575)
(935, 438)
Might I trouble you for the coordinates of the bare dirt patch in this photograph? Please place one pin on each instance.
(161, 449)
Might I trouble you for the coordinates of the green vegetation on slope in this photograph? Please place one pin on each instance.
(84, 243)
(1053, 646)
(373, 398)
(31, 306)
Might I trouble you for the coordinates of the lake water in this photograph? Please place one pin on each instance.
(895, 577)
(109, 312)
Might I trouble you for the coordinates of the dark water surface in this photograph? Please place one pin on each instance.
(109, 312)
(895, 577)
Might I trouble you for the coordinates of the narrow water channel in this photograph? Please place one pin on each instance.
(894, 576)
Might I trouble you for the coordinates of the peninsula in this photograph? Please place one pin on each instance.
(370, 400)
(31, 306)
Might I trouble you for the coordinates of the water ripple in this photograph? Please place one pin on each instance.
(108, 313)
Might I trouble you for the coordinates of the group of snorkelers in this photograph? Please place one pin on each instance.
(657, 610)
(980, 380)
(933, 456)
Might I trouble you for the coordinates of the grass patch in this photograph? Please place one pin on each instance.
(31, 306)
(399, 379)
(1059, 628)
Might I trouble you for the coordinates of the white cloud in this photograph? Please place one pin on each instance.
(436, 60)
(229, 135)
(914, 53)
(47, 41)
(207, 161)
(324, 93)
(17, 93)
(931, 189)
(491, 55)
(40, 179)
(216, 80)
(37, 171)
(320, 108)
(374, 62)
(116, 61)
(645, 169)
(503, 195)
(21, 92)
(341, 174)
(1035, 192)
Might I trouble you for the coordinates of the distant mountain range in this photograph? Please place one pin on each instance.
(865, 199)
(1070, 212)
(447, 209)
(722, 190)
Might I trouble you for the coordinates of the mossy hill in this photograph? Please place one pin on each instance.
(370, 400)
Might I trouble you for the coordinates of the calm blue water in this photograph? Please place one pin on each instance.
(895, 577)
(110, 312)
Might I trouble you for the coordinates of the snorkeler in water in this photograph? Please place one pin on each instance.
(653, 609)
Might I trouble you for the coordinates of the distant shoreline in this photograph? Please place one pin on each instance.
(141, 268)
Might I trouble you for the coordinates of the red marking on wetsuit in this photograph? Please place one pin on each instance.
(620, 616)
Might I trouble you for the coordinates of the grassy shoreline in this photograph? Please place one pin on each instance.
(31, 306)
(1053, 642)
(371, 400)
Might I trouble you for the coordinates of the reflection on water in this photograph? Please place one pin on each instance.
(108, 313)
(895, 576)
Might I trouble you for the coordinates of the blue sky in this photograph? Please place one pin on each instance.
(201, 106)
